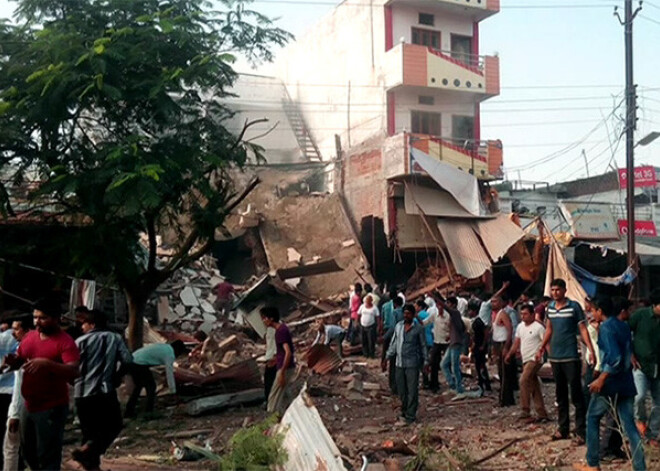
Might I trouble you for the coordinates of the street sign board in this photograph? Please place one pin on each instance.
(644, 177)
(642, 228)
(590, 221)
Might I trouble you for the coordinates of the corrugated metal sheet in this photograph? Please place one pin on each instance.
(498, 235)
(322, 359)
(307, 442)
(462, 186)
(466, 252)
(433, 202)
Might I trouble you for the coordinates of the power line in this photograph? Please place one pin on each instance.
(503, 7)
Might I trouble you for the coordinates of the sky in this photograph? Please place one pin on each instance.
(562, 76)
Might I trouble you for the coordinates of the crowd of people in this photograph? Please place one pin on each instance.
(604, 360)
(42, 363)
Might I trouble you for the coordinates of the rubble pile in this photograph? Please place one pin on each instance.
(186, 301)
(220, 351)
(425, 275)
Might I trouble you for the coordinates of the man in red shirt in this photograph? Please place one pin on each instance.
(49, 358)
(225, 295)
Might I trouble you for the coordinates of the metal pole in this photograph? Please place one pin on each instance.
(631, 121)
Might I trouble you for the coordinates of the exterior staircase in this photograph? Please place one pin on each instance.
(307, 145)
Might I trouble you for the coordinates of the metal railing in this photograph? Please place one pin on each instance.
(472, 61)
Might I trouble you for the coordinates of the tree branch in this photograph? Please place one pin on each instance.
(153, 245)
(245, 128)
(239, 199)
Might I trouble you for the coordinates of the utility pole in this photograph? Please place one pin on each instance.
(631, 124)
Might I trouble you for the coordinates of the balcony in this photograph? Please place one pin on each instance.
(475, 10)
(483, 159)
(422, 66)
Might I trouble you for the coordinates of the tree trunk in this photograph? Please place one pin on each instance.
(136, 305)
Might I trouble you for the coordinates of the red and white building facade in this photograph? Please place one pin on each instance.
(387, 76)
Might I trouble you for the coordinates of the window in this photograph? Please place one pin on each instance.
(423, 122)
(426, 100)
(463, 130)
(426, 37)
(426, 19)
(461, 48)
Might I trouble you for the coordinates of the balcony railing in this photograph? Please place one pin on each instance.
(422, 66)
(472, 62)
(483, 159)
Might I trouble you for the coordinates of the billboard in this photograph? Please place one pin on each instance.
(644, 177)
(590, 221)
(642, 228)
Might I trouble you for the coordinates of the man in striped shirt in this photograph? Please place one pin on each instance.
(565, 321)
(101, 354)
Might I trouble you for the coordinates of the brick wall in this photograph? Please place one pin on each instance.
(364, 187)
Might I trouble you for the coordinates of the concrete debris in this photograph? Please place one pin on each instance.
(293, 255)
(355, 385)
(222, 401)
(188, 297)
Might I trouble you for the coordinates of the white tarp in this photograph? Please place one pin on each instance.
(558, 268)
(461, 185)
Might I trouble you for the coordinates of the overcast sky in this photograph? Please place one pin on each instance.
(562, 65)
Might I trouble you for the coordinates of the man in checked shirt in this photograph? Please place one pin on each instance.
(101, 354)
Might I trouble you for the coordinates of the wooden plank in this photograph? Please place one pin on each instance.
(429, 288)
(328, 266)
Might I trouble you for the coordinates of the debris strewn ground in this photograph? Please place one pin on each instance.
(360, 413)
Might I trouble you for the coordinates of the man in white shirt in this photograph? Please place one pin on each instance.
(529, 338)
(369, 316)
(17, 411)
(440, 320)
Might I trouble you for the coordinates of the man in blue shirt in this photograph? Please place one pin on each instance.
(565, 320)
(388, 327)
(614, 388)
(330, 333)
(422, 314)
(408, 351)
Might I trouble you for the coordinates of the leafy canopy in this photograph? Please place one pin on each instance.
(116, 108)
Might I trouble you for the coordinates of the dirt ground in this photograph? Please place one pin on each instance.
(361, 422)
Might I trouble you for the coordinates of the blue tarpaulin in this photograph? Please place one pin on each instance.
(590, 282)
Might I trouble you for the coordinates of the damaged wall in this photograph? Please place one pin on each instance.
(299, 229)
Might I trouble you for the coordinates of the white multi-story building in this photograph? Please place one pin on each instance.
(377, 69)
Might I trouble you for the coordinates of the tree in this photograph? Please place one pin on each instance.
(116, 108)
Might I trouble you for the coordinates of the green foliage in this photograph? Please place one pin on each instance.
(254, 448)
(117, 106)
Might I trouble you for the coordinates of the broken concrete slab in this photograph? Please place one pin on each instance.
(188, 297)
(207, 306)
(319, 268)
(355, 385)
(223, 401)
